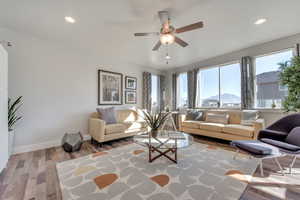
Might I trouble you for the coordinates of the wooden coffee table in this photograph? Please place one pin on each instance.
(164, 143)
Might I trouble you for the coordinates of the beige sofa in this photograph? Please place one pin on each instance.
(128, 124)
(234, 130)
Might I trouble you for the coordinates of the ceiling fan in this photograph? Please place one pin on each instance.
(168, 33)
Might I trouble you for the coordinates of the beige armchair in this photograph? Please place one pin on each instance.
(129, 123)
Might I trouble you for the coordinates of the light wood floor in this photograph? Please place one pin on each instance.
(32, 176)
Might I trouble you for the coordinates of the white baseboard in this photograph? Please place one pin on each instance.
(42, 145)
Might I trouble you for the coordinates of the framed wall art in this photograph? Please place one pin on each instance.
(110, 88)
(130, 83)
(130, 97)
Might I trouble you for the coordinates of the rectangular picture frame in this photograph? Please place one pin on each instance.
(130, 97)
(110, 88)
(130, 83)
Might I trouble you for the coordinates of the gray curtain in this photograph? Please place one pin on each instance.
(162, 84)
(174, 90)
(147, 90)
(247, 83)
(192, 87)
(297, 50)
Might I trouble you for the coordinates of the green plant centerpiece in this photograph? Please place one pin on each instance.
(155, 120)
(13, 108)
(290, 77)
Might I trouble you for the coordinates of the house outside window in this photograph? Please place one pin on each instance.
(219, 87)
(269, 93)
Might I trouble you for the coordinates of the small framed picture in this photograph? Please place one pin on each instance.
(130, 83)
(130, 97)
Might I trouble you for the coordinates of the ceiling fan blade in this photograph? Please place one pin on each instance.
(180, 42)
(147, 34)
(190, 27)
(156, 47)
(163, 16)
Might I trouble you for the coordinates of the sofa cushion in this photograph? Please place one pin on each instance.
(135, 125)
(217, 118)
(195, 115)
(235, 129)
(126, 115)
(249, 117)
(282, 145)
(294, 136)
(212, 126)
(191, 124)
(114, 128)
(108, 115)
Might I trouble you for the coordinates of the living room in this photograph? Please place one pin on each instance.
(163, 100)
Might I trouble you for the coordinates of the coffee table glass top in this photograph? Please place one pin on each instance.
(164, 139)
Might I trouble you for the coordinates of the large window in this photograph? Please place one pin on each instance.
(208, 80)
(182, 89)
(154, 92)
(269, 92)
(230, 86)
(219, 87)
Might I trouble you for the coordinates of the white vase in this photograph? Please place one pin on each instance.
(11, 142)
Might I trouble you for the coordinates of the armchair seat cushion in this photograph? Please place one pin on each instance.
(240, 130)
(191, 124)
(114, 128)
(212, 126)
(135, 125)
(280, 144)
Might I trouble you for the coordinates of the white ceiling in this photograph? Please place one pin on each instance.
(106, 27)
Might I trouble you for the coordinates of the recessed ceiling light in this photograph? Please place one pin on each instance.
(260, 21)
(168, 57)
(70, 19)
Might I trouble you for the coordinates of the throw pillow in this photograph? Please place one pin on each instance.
(221, 118)
(294, 136)
(108, 115)
(249, 117)
(195, 115)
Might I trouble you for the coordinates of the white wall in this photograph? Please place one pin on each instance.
(59, 86)
(3, 109)
(272, 46)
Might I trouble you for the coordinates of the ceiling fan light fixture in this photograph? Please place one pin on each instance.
(260, 21)
(70, 20)
(167, 38)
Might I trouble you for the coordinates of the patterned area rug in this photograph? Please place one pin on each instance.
(203, 172)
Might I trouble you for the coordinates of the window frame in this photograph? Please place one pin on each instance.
(254, 71)
(219, 80)
(157, 93)
(178, 89)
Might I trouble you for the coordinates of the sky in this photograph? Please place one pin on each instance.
(270, 62)
(230, 77)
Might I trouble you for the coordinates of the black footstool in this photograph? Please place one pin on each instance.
(259, 150)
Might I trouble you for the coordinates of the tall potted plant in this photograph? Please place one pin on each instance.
(290, 77)
(13, 118)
